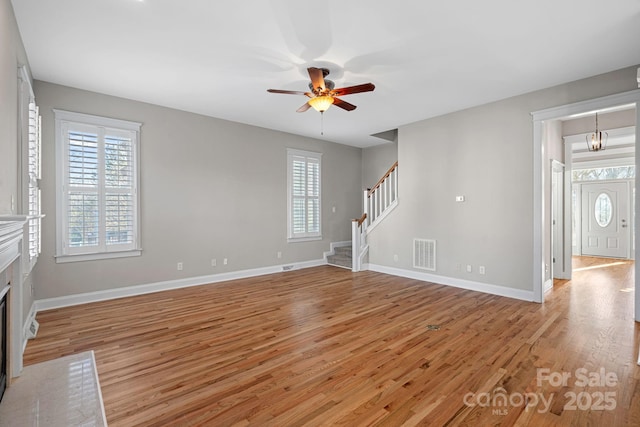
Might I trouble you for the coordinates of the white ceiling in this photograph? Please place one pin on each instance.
(426, 58)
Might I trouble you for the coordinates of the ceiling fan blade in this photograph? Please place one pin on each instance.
(366, 87)
(317, 78)
(289, 92)
(343, 104)
(304, 108)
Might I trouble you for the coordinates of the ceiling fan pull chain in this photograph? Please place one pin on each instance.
(321, 122)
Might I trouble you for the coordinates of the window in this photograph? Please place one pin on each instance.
(303, 186)
(599, 174)
(33, 191)
(97, 187)
(603, 210)
(30, 169)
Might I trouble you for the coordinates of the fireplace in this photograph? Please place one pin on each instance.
(11, 299)
(3, 345)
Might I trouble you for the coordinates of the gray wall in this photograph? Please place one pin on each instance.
(376, 161)
(486, 154)
(617, 119)
(209, 189)
(12, 55)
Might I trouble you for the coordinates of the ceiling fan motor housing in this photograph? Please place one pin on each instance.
(329, 84)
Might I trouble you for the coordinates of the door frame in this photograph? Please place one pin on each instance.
(539, 163)
(560, 203)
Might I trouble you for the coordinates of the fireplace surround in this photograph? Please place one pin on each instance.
(11, 280)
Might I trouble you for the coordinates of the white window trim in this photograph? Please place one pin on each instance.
(26, 181)
(306, 237)
(61, 118)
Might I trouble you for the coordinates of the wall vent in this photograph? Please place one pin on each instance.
(424, 254)
(287, 267)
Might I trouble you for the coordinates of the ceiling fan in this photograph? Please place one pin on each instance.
(323, 94)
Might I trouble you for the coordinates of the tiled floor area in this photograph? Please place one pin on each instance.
(61, 392)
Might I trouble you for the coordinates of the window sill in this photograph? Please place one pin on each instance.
(303, 239)
(61, 259)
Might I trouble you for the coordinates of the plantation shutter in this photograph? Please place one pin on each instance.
(33, 191)
(304, 194)
(119, 190)
(100, 194)
(81, 196)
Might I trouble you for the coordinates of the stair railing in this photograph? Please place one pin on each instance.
(383, 196)
(359, 245)
(378, 202)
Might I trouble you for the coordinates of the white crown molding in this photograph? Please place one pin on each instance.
(562, 111)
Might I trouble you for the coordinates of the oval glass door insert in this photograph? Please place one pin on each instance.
(603, 210)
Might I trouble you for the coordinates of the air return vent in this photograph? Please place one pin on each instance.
(424, 254)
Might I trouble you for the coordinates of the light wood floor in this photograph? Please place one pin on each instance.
(324, 346)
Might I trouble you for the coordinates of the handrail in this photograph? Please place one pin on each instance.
(361, 219)
(386, 175)
(377, 204)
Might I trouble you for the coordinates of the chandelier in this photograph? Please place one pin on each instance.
(597, 141)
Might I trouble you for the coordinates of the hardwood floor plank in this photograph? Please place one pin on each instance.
(324, 346)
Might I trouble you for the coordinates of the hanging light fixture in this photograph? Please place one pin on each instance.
(321, 103)
(597, 141)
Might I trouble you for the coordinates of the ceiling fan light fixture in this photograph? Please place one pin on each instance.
(321, 103)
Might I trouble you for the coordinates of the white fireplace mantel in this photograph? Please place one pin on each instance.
(11, 234)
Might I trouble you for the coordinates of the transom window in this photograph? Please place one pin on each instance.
(600, 174)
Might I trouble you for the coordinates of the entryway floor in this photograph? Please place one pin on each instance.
(60, 392)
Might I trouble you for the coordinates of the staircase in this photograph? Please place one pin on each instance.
(379, 201)
(342, 257)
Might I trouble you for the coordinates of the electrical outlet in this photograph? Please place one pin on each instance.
(224, 261)
(395, 257)
(481, 269)
(279, 254)
(213, 262)
(180, 266)
(469, 268)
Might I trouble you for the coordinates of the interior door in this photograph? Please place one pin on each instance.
(605, 219)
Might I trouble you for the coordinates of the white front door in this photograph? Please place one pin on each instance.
(605, 219)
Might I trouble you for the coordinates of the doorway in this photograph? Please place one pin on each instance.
(605, 212)
(541, 240)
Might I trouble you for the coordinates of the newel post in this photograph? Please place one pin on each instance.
(355, 245)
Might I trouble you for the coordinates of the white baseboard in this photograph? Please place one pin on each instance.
(70, 300)
(67, 301)
(457, 283)
(548, 285)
